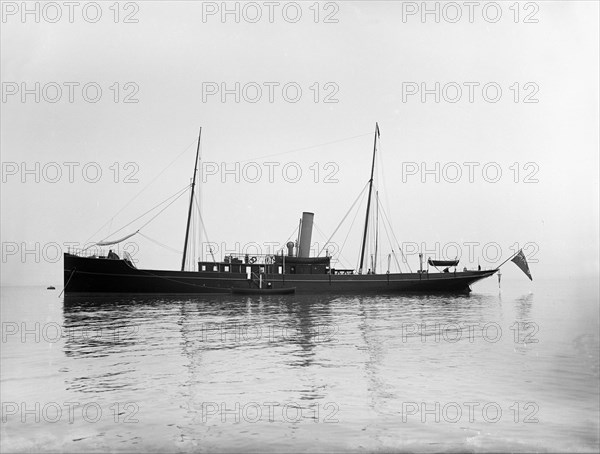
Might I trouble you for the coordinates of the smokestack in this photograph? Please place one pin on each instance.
(305, 234)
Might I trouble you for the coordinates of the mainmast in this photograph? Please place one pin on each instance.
(364, 243)
(187, 228)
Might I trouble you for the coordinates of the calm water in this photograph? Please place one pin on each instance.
(516, 371)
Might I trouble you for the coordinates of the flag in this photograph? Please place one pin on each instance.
(521, 262)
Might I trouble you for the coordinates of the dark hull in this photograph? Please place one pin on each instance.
(94, 276)
(263, 291)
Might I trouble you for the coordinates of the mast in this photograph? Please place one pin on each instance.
(364, 243)
(187, 229)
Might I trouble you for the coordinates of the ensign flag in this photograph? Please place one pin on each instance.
(521, 262)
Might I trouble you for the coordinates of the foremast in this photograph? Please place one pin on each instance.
(187, 228)
(364, 241)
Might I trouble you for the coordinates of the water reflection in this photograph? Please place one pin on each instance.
(523, 306)
(297, 325)
(171, 356)
(209, 342)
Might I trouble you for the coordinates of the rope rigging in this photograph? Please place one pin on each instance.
(304, 148)
(340, 256)
(161, 244)
(198, 231)
(344, 218)
(109, 222)
(175, 197)
(394, 237)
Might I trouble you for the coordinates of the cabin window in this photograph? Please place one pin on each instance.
(226, 268)
(292, 270)
(280, 269)
(203, 267)
(262, 269)
(215, 268)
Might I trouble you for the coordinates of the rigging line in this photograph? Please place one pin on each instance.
(323, 235)
(194, 249)
(388, 237)
(204, 230)
(289, 239)
(344, 262)
(395, 238)
(396, 260)
(188, 258)
(198, 202)
(145, 187)
(392, 246)
(157, 214)
(319, 230)
(369, 239)
(354, 219)
(306, 148)
(388, 223)
(340, 257)
(370, 235)
(380, 156)
(69, 280)
(344, 218)
(161, 244)
(177, 194)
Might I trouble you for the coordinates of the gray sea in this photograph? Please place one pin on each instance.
(515, 370)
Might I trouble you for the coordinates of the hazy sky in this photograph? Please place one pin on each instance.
(372, 58)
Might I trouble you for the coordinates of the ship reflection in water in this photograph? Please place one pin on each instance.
(291, 373)
(301, 372)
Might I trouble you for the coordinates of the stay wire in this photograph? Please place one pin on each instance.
(176, 195)
(361, 193)
(306, 148)
(137, 195)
